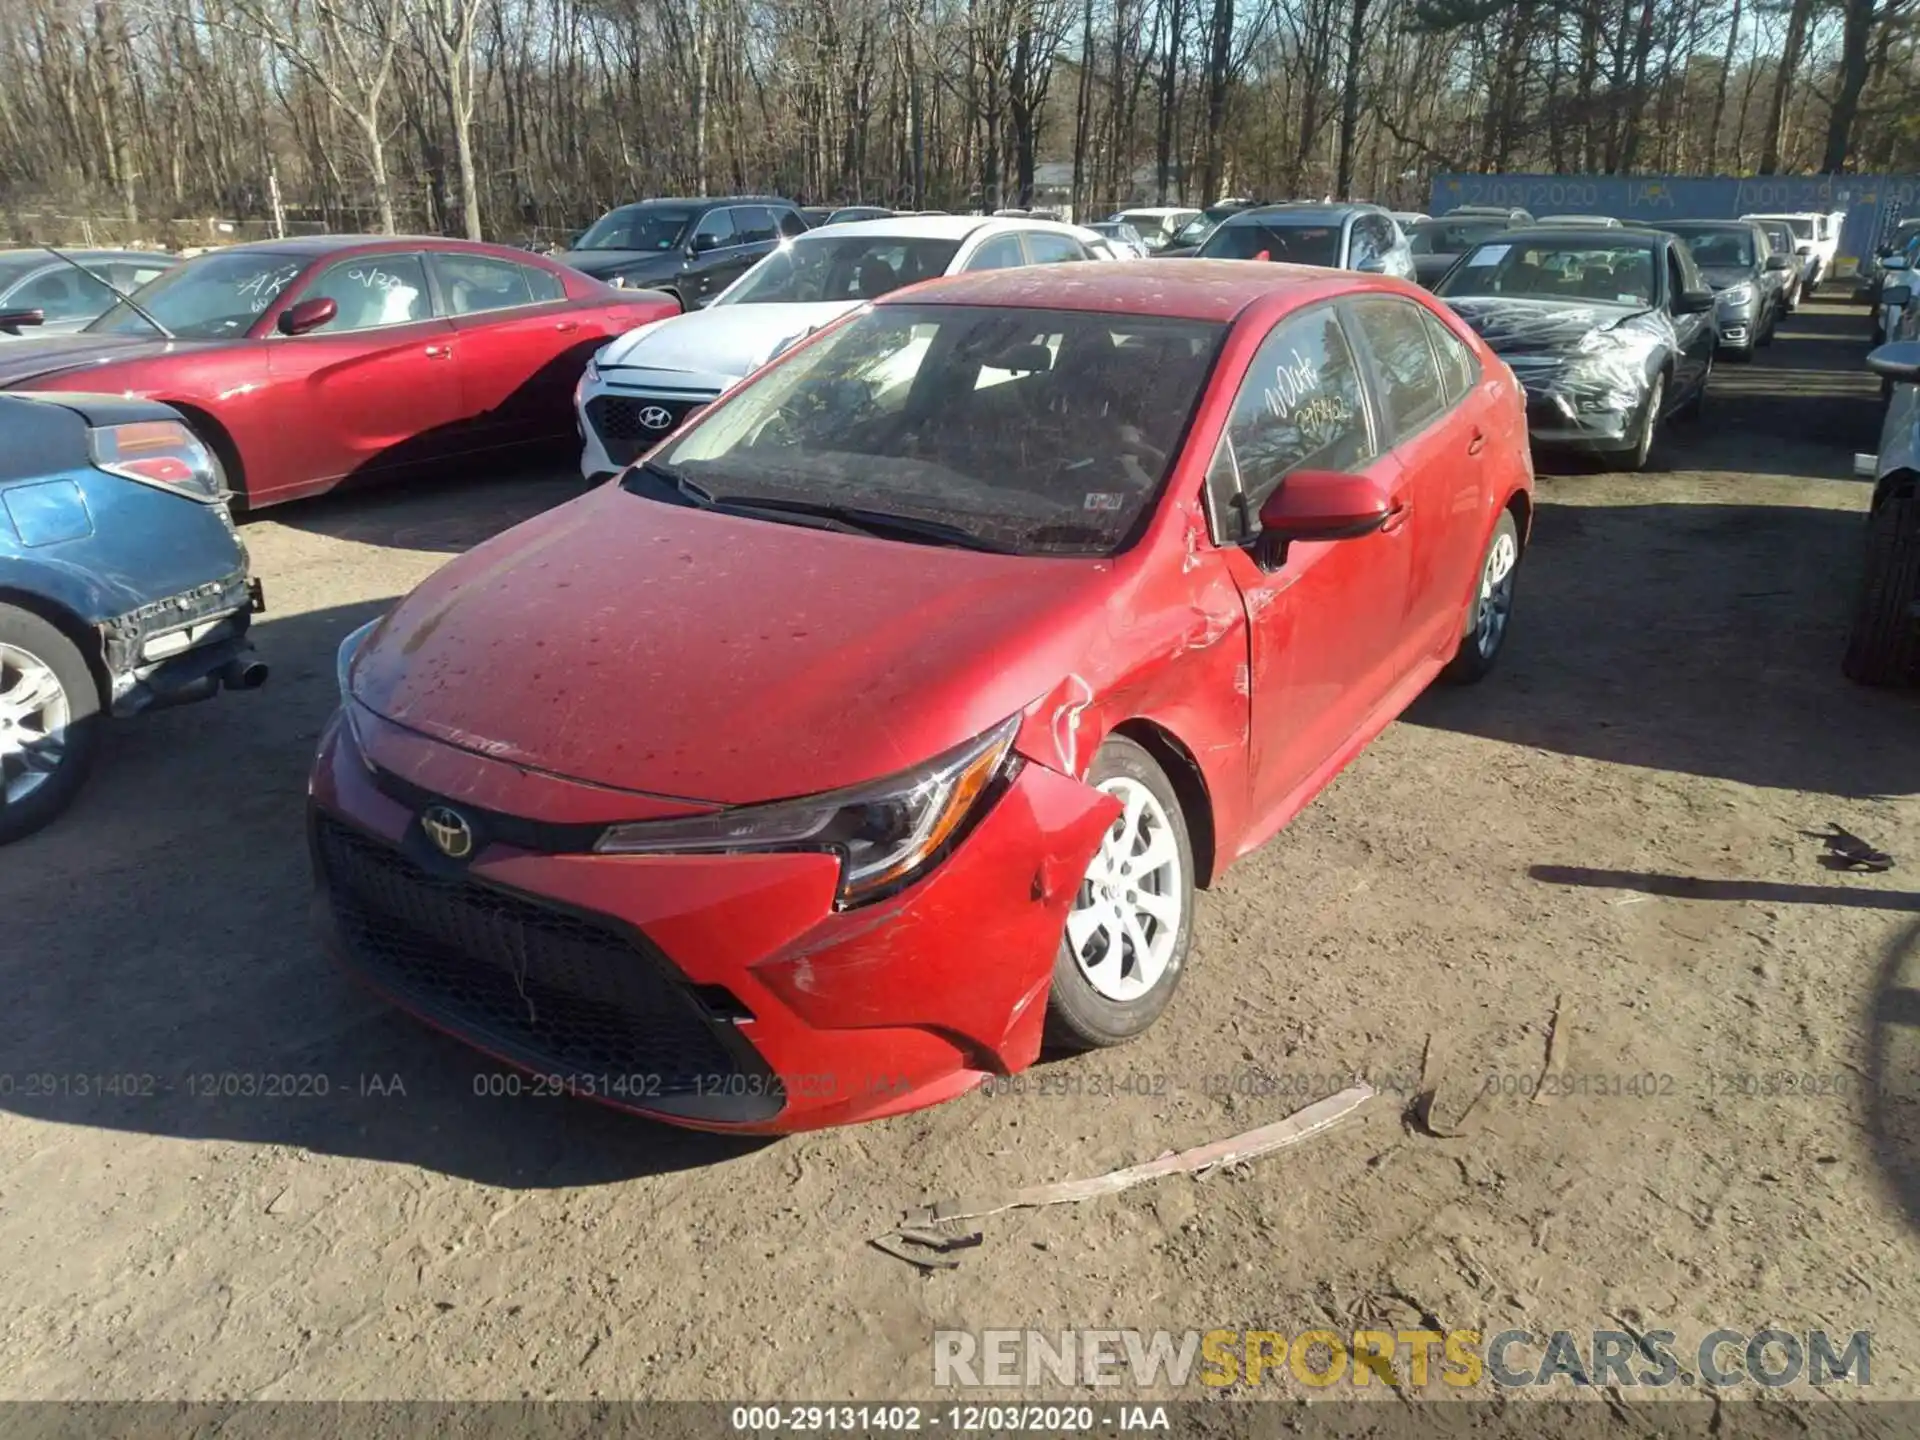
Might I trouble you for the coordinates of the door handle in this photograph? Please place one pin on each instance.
(1396, 517)
(1477, 443)
(438, 352)
(567, 327)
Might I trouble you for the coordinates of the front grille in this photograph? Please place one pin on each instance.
(618, 421)
(562, 994)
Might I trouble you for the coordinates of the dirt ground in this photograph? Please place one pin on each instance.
(1612, 825)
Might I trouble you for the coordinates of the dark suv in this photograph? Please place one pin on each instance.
(692, 249)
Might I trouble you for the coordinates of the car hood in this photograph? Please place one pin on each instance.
(725, 340)
(27, 360)
(1603, 355)
(1721, 276)
(678, 652)
(645, 264)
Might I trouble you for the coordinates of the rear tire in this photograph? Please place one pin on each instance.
(1125, 944)
(1883, 645)
(1490, 615)
(49, 722)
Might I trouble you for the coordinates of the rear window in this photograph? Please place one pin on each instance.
(820, 267)
(1279, 242)
(1450, 237)
(1038, 431)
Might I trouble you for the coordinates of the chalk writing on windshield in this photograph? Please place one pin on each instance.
(260, 291)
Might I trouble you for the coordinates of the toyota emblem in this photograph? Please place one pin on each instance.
(448, 830)
(656, 417)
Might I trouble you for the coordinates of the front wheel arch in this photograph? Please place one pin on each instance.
(1189, 783)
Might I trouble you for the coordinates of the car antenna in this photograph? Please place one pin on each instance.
(125, 298)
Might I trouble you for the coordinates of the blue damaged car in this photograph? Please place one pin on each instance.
(124, 586)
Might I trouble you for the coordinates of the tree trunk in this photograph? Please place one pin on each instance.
(1789, 62)
(1350, 97)
(1855, 48)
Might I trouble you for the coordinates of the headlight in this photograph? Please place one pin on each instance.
(593, 366)
(885, 832)
(343, 660)
(1737, 295)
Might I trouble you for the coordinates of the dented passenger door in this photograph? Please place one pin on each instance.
(1326, 633)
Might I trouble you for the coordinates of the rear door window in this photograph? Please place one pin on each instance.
(1003, 252)
(1301, 406)
(1045, 248)
(754, 225)
(1411, 389)
(1459, 366)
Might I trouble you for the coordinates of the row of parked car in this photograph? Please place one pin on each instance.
(1087, 577)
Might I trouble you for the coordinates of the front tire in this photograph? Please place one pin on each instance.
(1126, 938)
(1883, 645)
(1636, 456)
(49, 722)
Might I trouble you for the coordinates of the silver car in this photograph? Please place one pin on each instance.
(68, 297)
(1883, 647)
(1338, 236)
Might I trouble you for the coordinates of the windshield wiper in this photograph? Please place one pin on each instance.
(878, 523)
(125, 298)
(780, 512)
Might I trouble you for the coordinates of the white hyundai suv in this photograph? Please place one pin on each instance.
(640, 388)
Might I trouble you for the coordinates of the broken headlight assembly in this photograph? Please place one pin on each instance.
(885, 833)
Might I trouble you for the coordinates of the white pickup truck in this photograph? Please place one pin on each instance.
(1816, 239)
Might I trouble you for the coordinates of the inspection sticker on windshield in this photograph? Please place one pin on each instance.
(1489, 255)
(1104, 500)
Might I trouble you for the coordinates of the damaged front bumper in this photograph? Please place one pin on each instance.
(723, 991)
(1582, 423)
(183, 648)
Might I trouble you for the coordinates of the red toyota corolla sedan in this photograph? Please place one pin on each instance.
(886, 719)
(304, 362)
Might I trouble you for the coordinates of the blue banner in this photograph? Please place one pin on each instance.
(1871, 202)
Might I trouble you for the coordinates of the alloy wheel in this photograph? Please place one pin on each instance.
(1125, 921)
(1496, 594)
(34, 716)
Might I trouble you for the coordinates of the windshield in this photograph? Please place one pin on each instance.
(1730, 247)
(1450, 237)
(1037, 431)
(637, 227)
(1802, 229)
(14, 269)
(1563, 270)
(215, 297)
(1156, 230)
(1275, 240)
(862, 267)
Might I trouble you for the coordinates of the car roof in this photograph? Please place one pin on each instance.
(1309, 212)
(307, 247)
(1184, 289)
(1599, 233)
(37, 252)
(1159, 210)
(708, 202)
(941, 227)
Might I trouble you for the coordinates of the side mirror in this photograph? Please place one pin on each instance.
(1693, 302)
(13, 321)
(1896, 295)
(1323, 505)
(1372, 265)
(1897, 361)
(304, 315)
(1894, 262)
(1777, 261)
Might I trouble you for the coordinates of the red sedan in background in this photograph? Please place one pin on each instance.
(889, 716)
(305, 362)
